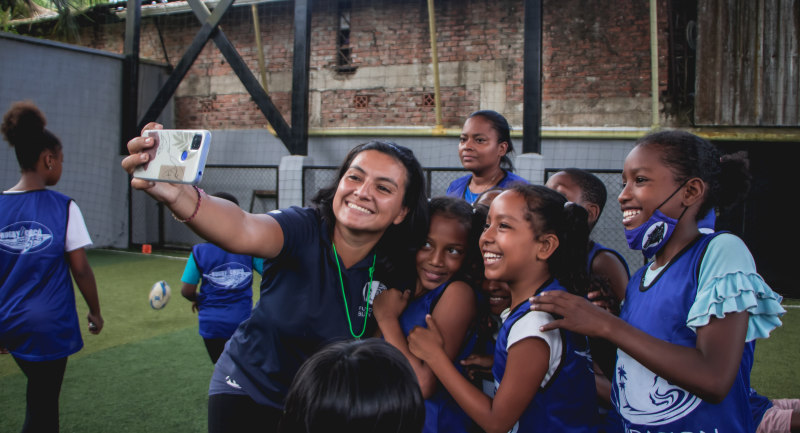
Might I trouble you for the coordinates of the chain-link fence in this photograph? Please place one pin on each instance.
(437, 180)
(254, 187)
(608, 230)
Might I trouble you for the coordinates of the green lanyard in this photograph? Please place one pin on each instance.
(344, 297)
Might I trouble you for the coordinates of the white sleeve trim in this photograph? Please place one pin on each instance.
(528, 327)
(77, 233)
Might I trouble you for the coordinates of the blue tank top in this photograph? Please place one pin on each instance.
(38, 321)
(442, 413)
(459, 188)
(597, 248)
(226, 295)
(648, 402)
(567, 402)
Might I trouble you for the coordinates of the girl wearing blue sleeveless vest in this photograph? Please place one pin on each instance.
(42, 241)
(535, 241)
(323, 266)
(484, 148)
(443, 265)
(688, 313)
(226, 296)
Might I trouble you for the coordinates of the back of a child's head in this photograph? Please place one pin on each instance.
(23, 128)
(593, 190)
(727, 177)
(359, 386)
(549, 212)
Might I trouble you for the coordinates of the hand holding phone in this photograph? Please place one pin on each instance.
(177, 156)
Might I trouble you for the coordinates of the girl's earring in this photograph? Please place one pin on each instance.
(50, 167)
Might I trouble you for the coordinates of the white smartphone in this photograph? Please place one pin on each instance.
(178, 156)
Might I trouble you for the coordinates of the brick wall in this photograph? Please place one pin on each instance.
(596, 62)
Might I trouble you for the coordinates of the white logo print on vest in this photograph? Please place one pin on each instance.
(25, 237)
(229, 275)
(647, 399)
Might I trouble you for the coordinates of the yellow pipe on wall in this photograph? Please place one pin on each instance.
(714, 134)
(259, 46)
(435, 59)
(654, 62)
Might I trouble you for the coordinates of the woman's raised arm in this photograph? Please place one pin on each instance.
(216, 220)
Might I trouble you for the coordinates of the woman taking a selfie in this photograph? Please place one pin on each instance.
(323, 266)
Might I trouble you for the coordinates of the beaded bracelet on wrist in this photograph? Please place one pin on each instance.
(197, 207)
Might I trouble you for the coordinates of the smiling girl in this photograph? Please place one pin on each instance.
(443, 263)
(543, 380)
(688, 313)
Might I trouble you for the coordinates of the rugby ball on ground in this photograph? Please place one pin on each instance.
(159, 295)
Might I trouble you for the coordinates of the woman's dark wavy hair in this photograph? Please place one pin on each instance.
(398, 244)
(462, 211)
(357, 386)
(727, 177)
(547, 213)
(23, 128)
(499, 124)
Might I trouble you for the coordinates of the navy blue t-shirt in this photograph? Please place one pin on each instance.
(300, 311)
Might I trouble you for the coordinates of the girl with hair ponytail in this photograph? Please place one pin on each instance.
(42, 248)
(536, 241)
(690, 315)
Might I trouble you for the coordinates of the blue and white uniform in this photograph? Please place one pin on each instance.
(459, 188)
(565, 401)
(603, 352)
(301, 310)
(226, 295)
(597, 248)
(442, 413)
(38, 320)
(711, 277)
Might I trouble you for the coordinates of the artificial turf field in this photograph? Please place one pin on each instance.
(148, 370)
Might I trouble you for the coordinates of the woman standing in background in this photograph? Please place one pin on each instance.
(483, 148)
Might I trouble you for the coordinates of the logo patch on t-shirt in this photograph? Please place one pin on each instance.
(25, 237)
(377, 287)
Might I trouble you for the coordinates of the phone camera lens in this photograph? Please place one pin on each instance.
(196, 141)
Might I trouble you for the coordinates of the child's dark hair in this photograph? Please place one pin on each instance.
(397, 245)
(461, 211)
(23, 128)
(727, 176)
(549, 213)
(499, 124)
(358, 386)
(592, 188)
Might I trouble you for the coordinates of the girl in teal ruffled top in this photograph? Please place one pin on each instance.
(689, 312)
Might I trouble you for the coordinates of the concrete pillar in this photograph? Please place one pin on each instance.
(531, 167)
(290, 181)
